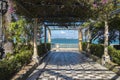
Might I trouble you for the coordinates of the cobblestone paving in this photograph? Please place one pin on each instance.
(71, 66)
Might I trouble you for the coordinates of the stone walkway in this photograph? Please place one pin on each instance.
(71, 66)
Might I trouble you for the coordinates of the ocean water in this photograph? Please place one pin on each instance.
(69, 37)
(65, 41)
(75, 41)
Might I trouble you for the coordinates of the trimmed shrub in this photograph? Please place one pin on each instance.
(42, 50)
(116, 47)
(10, 66)
(84, 46)
(115, 54)
(97, 50)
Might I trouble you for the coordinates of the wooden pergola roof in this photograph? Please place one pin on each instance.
(58, 11)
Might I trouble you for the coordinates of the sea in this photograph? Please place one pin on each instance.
(75, 41)
(70, 37)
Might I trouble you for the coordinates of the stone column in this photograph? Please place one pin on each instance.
(0, 30)
(8, 47)
(106, 57)
(49, 35)
(45, 38)
(88, 40)
(35, 54)
(80, 39)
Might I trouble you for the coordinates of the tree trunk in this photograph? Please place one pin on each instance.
(106, 57)
(35, 54)
(80, 39)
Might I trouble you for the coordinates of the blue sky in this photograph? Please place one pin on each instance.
(68, 34)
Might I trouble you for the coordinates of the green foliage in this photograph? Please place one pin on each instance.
(20, 47)
(115, 54)
(97, 50)
(98, 30)
(99, 24)
(117, 47)
(81, 7)
(84, 46)
(42, 50)
(9, 66)
(17, 29)
(85, 24)
(115, 23)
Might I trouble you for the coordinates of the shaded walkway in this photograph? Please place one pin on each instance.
(70, 66)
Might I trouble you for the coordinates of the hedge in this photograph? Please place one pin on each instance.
(95, 49)
(22, 56)
(10, 66)
(84, 46)
(98, 50)
(42, 50)
(115, 54)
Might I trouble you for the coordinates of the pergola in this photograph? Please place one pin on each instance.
(58, 11)
(62, 13)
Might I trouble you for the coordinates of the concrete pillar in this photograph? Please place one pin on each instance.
(106, 57)
(45, 34)
(49, 35)
(45, 38)
(35, 54)
(0, 30)
(88, 40)
(80, 39)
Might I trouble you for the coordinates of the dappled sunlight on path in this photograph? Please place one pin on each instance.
(70, 66)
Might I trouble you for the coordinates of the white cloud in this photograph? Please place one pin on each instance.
(62, 32)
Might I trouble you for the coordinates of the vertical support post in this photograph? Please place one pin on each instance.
(119, 37)
(49, 35)
(0, 29)
(35, 54)
(80, 39)
(106, 57)
(45, 38)
(88, 40)
(85, 35)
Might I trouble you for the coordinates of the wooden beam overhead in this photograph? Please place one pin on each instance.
(54, 10)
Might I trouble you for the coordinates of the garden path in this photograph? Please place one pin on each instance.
(70, 66)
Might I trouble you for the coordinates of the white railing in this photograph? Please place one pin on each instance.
(64, 47)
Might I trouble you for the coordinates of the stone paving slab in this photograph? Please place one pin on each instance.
(72, 66)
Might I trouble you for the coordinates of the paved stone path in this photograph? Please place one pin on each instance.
(71, 66)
